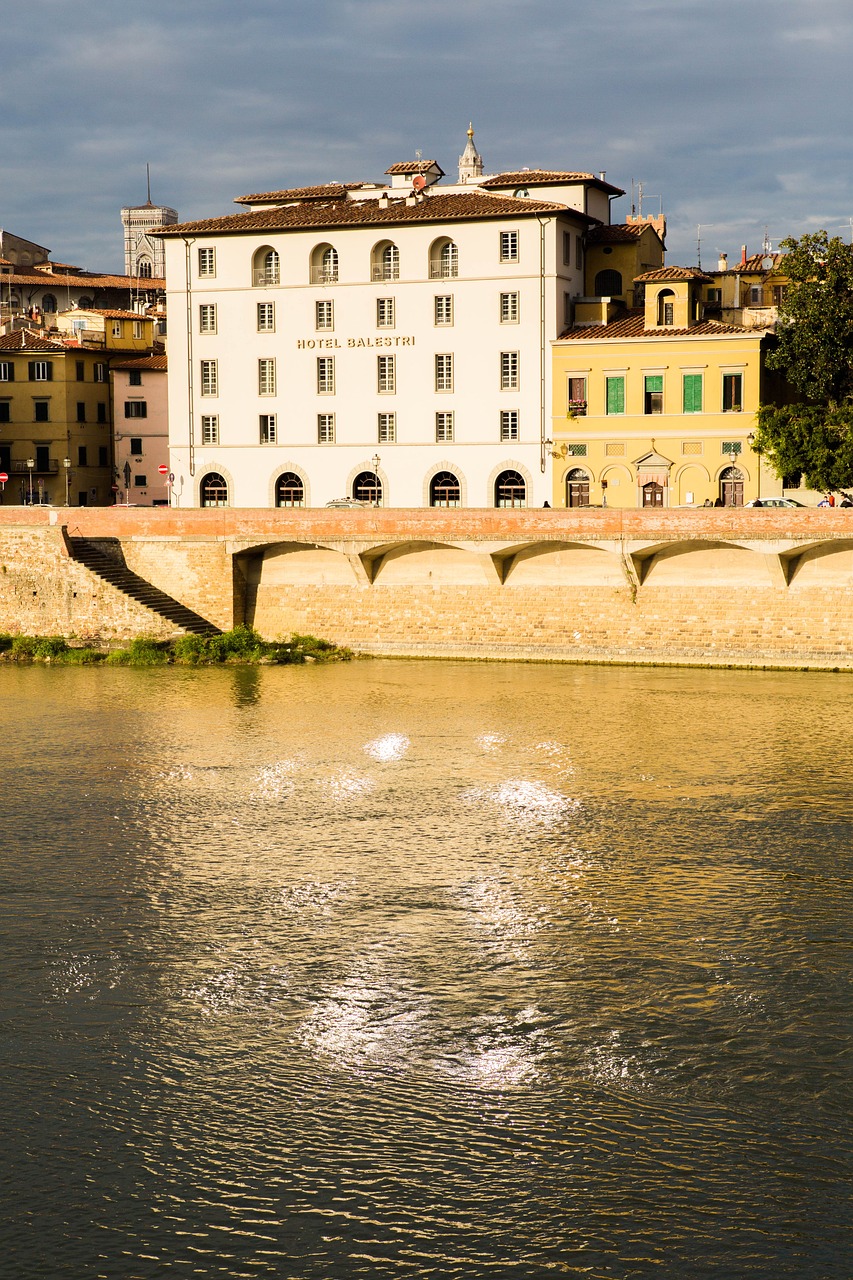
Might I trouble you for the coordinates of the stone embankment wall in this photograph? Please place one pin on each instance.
(730, 587)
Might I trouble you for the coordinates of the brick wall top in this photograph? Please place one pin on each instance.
(396, 524)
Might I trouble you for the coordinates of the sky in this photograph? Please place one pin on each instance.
(735, 115)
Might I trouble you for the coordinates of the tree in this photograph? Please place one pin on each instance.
(814, 351)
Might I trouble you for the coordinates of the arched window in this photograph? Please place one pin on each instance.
(48, 303)
(731, 487)
(444, 490)
(324, 264)
(265, 267)
(386, 262)
(213, 491)
(144, 268)
(666, 309)
(443, 260)
(608, 284)
(289, 490)
(84, 303)
(367, 487)
(577, 488)
(510, 490)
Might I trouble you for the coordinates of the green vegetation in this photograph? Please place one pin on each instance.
(814, 351)
(243, 645)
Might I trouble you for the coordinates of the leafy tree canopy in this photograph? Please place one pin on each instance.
(814, 351)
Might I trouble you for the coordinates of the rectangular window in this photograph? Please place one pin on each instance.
(567, 308)
(81, 411)
(210, 428)
(207, 262)
(207, 317)
(577, 451)
(136, 446)
(691, 448)
(209, 378)
(386, 373)
(325, 428)
(756, 295)
(576, 396)
(140, 482)
(266, 317)
(732, 392)
(324, 314)
(692, 393)
(614, 388)
(509, 424)
(82, 456)
(443, 428)
(444, 373)
(387, 428)
(134, 378)
(100, 372)
(41, 411)
(103, 456)
(326, 375)
(137, 328)
(731, 446)
(266, 377)
(102, 412)
(509, 371)
(444, 308)
(81, 371)
(567, 248)
(385, 313)
(653, 393)
(5, 416)
(268, 428)
(509, 308)
(509, 246)
(7, 371)
(117, 327)
(41, 370)
(579, 253)
(136, 408)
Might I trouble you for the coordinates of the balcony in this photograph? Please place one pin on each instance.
(43, 467)
(263, 278)
(324, 275)
(384, 271)
(443, 270)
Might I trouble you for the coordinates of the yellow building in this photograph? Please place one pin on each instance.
(55, 422)
(617, 254)
(110, 330)
(656, 407)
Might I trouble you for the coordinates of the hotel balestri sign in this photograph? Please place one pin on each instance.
(334, 344)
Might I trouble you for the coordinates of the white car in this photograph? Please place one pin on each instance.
(773, 502)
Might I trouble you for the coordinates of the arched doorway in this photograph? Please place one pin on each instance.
(652, 494)
(666, 307)
(289, 490)
(510, 490)
(444, 490)
(214, 490)
(577, 488)
(367, 487)
(731, 487)
(608, 283)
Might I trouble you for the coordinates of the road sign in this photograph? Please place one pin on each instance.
(3, 477)
(163, 469)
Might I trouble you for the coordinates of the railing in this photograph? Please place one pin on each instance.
(263, 278)
(384, 271)
(324, 275)
(443, 270)
(51, 469)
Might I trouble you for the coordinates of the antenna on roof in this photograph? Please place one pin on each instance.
(148, 180)
(419, 155)
(699, 226)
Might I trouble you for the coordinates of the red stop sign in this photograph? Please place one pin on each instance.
(163, 469)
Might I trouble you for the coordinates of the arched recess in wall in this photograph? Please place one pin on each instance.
(443, 259)
(621, 486)
(214, 486)
(666, 307)
(385, 261)
(444, 466)
(48, 303)
(563, 564)
(324, 264)
(576, 483)
(289, 487)
(705, 564)
(509, 464)
(266, 267)
(608, 283)
(691, 477)
(364, 477)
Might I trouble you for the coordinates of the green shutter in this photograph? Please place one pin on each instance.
(692, 393)
(654, 382)
(615, 395)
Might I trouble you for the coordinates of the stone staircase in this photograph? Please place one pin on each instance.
(105, 558)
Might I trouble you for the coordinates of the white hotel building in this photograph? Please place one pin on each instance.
(377, 342)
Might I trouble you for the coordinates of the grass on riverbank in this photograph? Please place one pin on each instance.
(243, 646)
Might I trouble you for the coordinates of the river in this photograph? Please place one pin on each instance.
(396, 969)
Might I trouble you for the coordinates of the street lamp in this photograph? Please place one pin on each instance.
(376, 461)
(66, 462)
(31, 462)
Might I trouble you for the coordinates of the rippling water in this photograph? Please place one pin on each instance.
(437, 969)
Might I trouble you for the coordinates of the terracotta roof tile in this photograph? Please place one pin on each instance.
(414, 166)
(617, 233)
(114, 314)
(753, 265)
(326, 191)
(156, 363)
(633, 325)
(29, 340)
(433, 208)
(85, 280)
(674, 273)
(545, 177)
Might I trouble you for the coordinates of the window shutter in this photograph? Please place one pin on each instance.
(615, 395)
(692, 393)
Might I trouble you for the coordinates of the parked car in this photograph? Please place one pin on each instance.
(348, 502)
(774, 502)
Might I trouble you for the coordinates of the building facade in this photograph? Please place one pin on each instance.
(376, 343)
(140, 397)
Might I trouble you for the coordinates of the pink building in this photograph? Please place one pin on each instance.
(141, 418)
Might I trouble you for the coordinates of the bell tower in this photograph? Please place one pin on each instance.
(470, 162)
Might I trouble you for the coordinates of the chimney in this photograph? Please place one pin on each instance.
(743, 255)
(722, 263)
(602, 174)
